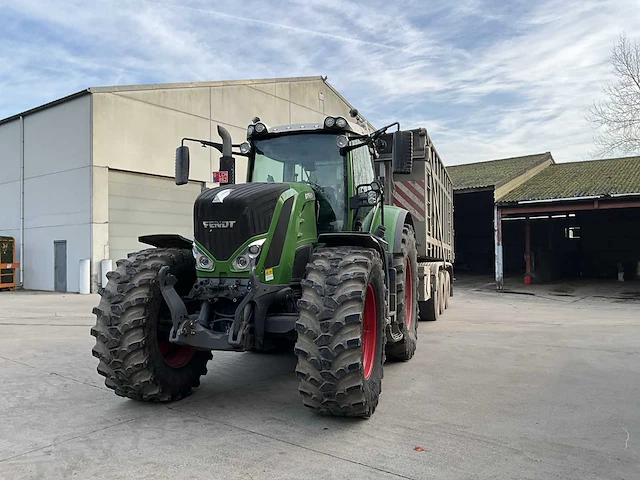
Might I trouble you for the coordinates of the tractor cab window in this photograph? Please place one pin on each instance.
(307, 158)
(363, 173)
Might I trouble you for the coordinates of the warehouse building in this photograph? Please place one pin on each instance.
(549, 221)
(83, 176)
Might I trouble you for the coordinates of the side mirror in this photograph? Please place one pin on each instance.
(402, 154)
(182, 165)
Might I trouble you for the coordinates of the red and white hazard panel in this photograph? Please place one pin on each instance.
(410, 195)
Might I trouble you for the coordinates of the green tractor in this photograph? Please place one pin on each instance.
(309, 253)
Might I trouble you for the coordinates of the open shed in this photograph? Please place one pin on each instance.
(572, 220)
(477, 186)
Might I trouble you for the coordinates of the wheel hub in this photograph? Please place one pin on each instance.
(369, 331)
(175, 356)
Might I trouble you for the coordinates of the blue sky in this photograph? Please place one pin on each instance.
(488, 79)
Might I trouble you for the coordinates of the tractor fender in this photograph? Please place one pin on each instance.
(164, 240)
(403, 218)
(368, 240)
(394, 219)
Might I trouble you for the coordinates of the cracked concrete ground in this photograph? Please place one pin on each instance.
(502, 386)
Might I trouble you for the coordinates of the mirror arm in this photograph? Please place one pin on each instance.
(204, 143)
(383, 130)
(217, 146)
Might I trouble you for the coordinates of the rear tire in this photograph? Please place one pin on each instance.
(406, 265)
(341, 332)
(135, 356)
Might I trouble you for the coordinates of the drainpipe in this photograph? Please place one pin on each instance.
(21, 284)
(497, 243)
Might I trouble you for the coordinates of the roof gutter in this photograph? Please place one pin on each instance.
(566, 199)
(618, 195)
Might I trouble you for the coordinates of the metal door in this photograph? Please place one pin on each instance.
(60, 265)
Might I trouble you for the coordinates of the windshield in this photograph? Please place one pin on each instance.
(310, 158)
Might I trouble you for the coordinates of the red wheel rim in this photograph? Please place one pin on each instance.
(408, 294)
(369, 331)
(175, 356)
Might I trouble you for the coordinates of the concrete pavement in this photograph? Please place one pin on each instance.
(502, 386)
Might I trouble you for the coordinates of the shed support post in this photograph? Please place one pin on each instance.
(527, 252)
(497, 242)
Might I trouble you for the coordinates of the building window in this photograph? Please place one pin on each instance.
(572, 233)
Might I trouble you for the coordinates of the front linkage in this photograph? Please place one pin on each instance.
(251, 299)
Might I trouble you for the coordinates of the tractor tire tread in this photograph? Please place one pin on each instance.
(121, 340)
(330, 332)
(404, 349)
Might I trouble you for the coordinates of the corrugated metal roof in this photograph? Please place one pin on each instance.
(614, 176)
(494, 172)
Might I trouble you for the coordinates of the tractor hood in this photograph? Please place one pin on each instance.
(225, 217)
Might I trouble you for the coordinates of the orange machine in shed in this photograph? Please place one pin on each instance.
(8, 265)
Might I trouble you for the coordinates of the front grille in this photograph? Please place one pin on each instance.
(245, 211)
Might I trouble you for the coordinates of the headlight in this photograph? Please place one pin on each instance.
(245, 147)
(241, 262)
(203, 261)
(250, 131)
(260, 127)
(247, 256)
(341, 122)
(329, 122)
(342, 141)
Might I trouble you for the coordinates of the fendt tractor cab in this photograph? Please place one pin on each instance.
(308, 252)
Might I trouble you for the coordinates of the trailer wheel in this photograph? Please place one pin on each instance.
(442, 292)
(341, 331)
(429, 310)
(447, 288)
(406, 265)
(132, 340)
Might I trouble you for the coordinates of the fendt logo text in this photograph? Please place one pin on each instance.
(219, 223)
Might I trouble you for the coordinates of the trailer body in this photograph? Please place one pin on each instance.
(427, 193)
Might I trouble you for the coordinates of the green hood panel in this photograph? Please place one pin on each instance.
(286, 233)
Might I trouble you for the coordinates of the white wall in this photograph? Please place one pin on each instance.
(57, 189)
(138, 129)
(144, 205)
(10, 182)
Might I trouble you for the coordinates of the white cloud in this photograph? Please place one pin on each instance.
(487, 79)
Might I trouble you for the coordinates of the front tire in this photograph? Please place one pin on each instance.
(341, 332)
(135, 355)
(406, 265)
